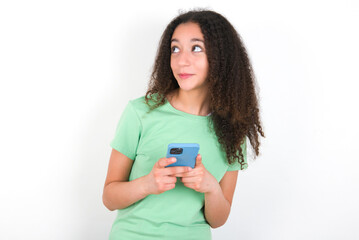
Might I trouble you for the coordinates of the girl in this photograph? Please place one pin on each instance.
(202, 90)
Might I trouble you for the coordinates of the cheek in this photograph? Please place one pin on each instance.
(203, 67)
(173, 63)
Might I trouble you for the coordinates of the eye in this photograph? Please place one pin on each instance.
(174, 49)
(197, 48)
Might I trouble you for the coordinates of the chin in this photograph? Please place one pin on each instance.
(190, 87)
(189, 84)
(186, 88)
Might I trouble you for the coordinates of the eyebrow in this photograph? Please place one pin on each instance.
(192, 40)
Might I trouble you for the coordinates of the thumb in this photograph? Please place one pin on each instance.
(198, 160)
(164, 162)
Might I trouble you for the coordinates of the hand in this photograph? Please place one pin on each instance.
(199, 179)
(162, 179)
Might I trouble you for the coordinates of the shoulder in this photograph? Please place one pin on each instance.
(139, 103)
(140, 106)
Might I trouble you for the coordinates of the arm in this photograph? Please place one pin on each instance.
(118, 192)
(219, 201)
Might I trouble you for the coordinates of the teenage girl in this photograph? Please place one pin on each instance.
(202, 90)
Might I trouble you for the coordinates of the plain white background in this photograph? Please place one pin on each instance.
(68, 68)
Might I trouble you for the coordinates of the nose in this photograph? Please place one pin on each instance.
(184, 58)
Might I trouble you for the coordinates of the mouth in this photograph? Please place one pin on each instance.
(185, 75)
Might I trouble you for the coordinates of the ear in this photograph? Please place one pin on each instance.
(198, 160)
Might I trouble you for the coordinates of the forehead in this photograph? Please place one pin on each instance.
(186, 31)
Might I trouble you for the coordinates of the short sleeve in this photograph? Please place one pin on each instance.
(237, 166)
(128, 132)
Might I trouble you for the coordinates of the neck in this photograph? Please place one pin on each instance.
(194, 102)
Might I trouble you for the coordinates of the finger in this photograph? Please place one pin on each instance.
(169, 186)
(198, 160)
(186, 174)
(190, 185)
(176, 170)
(169, 180)
(190, 180)
(166, 161)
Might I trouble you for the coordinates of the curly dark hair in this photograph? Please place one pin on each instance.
(231, 82)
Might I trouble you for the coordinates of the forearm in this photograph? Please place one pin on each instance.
(119, 195)
(216, 208)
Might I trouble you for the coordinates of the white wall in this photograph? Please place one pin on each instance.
(68, 68)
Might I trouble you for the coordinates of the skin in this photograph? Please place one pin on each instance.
(199, 179)
(188, 55)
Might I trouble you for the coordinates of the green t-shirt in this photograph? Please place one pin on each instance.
(144, 137)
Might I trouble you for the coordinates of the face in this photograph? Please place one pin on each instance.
(188, 57)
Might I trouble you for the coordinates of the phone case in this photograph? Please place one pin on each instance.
(187, 157)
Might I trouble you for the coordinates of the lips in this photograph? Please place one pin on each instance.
(185, 75)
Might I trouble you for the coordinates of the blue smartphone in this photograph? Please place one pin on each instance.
(185, 153)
